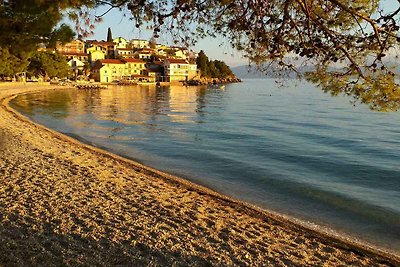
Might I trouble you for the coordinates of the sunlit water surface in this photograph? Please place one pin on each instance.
(293, 150)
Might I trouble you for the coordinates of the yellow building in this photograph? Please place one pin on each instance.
(107, 47)
(75, 46)
(108, 70)
(134, 66)
(120, 42)
(96, 55)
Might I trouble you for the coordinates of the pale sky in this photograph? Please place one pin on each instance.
(121, 26)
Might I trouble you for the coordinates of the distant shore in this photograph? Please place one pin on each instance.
(66, 203)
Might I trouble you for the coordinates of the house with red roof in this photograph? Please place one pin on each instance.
(108, 70)
(108, 48)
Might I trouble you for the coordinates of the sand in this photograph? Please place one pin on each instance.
(66, 203)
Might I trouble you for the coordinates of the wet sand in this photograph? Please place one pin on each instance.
(66, 203)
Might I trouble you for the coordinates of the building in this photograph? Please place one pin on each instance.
(138, 44)
(75, 56)
(96, 55)
(124, 52)
(107, 47)
(179, 70)
(134, 66)
(75, 46)
(176, 69)
(108, 70)
(192, 71)
(156, 69)
(120, 42)
(143, 54)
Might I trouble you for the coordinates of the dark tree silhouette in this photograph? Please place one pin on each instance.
(109, 35)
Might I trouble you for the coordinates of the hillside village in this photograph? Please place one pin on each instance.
(118, 59)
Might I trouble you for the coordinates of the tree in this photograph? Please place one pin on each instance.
(212, 69)
(26, 24)
(202, 63)
(109, 35)
(11, 64)
(48, 64)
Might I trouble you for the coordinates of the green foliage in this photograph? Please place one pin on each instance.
(48, 64)
(377, 90)
(24, 24)
(213, 68)
(11, 64)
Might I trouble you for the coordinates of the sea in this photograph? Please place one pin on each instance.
(286, 147)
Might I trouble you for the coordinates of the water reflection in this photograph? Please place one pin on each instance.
(140, 105)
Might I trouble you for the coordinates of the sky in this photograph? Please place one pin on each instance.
(214, 48)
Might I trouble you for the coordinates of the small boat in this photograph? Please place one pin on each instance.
(217, 86)
(90, 86)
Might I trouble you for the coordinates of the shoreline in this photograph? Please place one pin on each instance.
(317, 247)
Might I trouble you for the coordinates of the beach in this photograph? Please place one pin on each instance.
(66, 203)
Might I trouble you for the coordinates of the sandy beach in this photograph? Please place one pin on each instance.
(66, 203)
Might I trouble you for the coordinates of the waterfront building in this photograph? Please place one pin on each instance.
(136, 60)
(176, 69)
(156, 69)
(108, 70)
(134, 66)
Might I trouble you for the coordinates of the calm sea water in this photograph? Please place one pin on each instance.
(293, 150)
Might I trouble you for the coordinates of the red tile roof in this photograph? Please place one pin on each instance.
(144, 52)
(134, 60)
(111, 61)
(176, 61)
(101, 43)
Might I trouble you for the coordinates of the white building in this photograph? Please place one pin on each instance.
(137, 43)
(124, 52)
(120, 42)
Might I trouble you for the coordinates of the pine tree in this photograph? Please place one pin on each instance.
(109, 35)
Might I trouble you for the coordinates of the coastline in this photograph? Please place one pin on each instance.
(131, 213)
